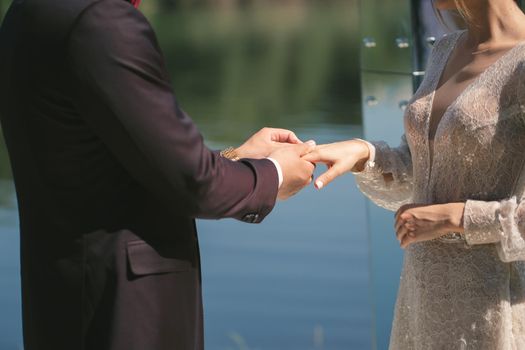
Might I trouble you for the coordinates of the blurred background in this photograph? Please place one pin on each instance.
(322, 271)
(300, 280)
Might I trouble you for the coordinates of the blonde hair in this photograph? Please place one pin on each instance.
(462, 9)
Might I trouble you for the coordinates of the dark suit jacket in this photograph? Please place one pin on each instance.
(110, 174)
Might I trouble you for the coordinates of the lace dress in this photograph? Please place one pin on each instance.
(466, 293)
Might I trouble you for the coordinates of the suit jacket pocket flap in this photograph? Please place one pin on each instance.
(145, 260)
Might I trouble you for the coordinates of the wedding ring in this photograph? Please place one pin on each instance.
(452, 237)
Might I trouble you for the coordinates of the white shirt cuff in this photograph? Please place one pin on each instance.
(279, 170)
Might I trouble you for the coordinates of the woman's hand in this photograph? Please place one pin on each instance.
(418, 223)
(340, 157)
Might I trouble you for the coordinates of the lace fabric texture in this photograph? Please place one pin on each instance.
(469, 294)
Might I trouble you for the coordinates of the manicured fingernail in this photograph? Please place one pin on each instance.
(311, 143)
(319, 184)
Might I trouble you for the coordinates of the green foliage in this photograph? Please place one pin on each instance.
(269, 64)
(3, 8)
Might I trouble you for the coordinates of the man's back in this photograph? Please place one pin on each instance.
(109, 173)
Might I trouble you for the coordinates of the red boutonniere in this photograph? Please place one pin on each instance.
(135, 3)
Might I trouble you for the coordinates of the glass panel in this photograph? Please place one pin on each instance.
(427, 29)
(387, 83)
(385, 96)
(387, 36)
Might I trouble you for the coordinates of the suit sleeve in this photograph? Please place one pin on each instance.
(124, 94)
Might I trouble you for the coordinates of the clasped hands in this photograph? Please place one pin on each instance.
(413, 222)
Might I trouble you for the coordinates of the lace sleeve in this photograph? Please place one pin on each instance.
(499, 222)
(388, 180)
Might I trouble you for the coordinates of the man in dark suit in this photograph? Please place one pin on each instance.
(111, 173)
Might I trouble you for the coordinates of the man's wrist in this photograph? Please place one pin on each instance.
(279, 171)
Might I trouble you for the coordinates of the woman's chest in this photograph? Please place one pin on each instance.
(461, 70)
(487, 112)
(478, 143)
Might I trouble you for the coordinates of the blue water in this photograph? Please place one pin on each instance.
(10, 298)
(303, 271)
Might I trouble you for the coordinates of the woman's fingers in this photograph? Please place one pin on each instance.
(414, 237)
(402, 217)
(328, 154)
(398, 224)
(407, 240)
(405, 225)
(401, 233)
(411, 229)
(330, 175)
(400, 211)
(404, 212)
(318, 155)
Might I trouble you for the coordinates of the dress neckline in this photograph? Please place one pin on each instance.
(442, 67)
(440, 70)
(475, 81)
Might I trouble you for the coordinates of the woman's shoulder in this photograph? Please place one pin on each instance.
(519, 53)
(448, 39)
(441, 48)
(514, 61)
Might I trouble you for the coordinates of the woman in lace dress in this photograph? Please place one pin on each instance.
(457, 182)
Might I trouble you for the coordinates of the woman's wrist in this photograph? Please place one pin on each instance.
(455, 217)
(365, 155)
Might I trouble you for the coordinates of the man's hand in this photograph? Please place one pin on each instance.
(418, 223)
(297, 173)
(340, 158)
(266, 141)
